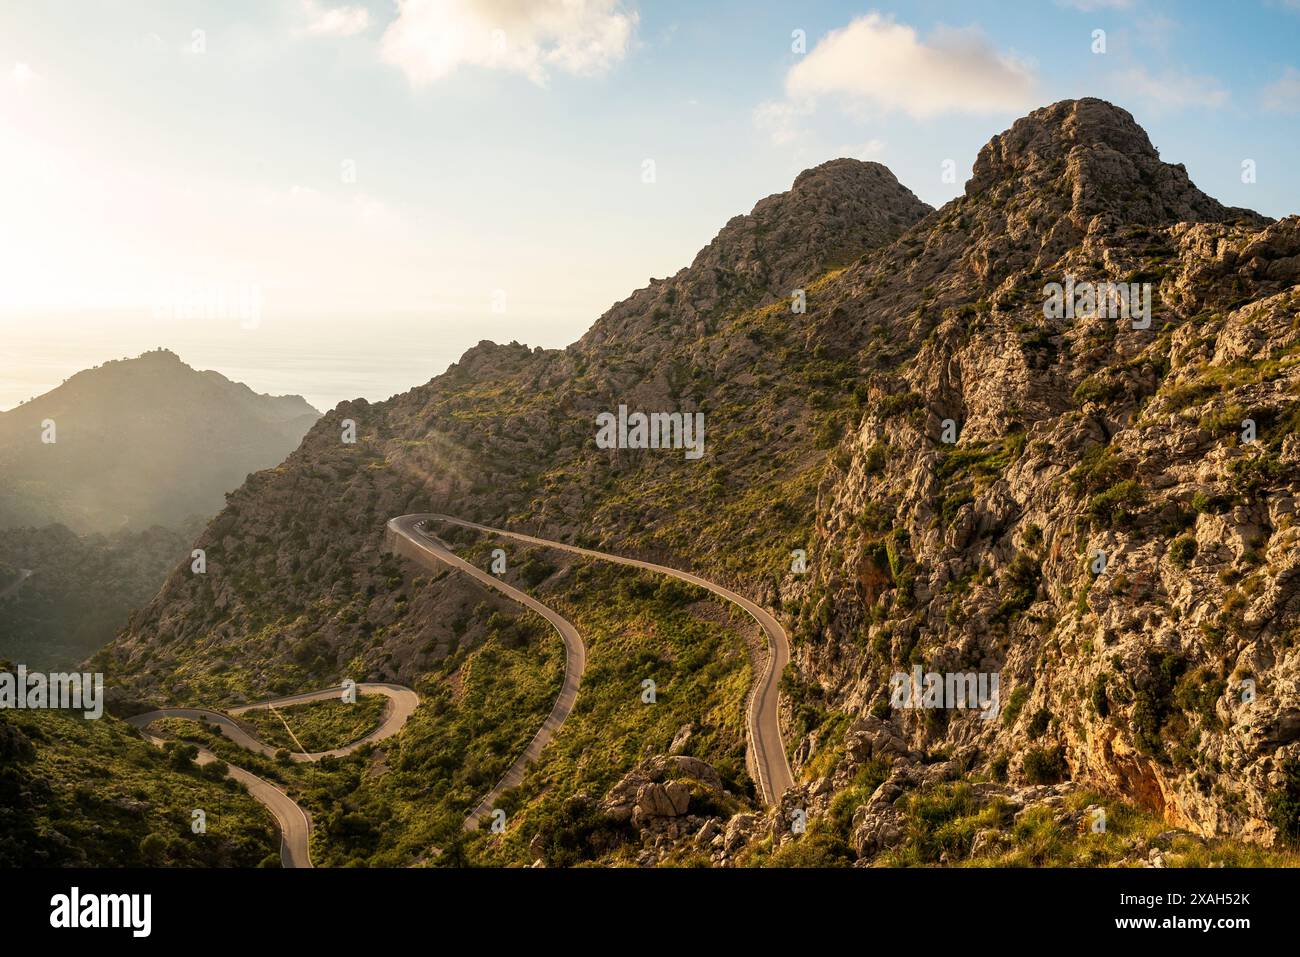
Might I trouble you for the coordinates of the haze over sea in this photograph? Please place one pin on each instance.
(324, 361)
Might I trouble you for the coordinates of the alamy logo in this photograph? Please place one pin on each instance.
(34, 690)
(182, 299)
(655, 430)
(74, 909)
(1103, 300)
(954, 689)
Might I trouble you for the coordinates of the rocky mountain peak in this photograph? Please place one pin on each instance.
(1043, 139)
(158, 355)
(1099, 154)
(831, 215)
(844, 174)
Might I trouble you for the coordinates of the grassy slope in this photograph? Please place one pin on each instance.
(637, 626)
(394, 803)
(75, 792)
(318, 725)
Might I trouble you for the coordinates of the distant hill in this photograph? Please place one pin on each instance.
(63, 596)
(140, 442)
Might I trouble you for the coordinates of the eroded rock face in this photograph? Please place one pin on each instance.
(877, 826)
(660, 800)
(680, 739)
(870, 738)
(832, 214)
(1169, 450)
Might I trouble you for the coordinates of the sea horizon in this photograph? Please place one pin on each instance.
(325, 362)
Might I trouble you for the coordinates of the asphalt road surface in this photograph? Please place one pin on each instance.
(767, 750)
(414, 543)
(295, 826)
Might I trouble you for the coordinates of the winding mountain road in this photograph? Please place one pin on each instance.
(295, 826)
(767, 750)
(416, 545)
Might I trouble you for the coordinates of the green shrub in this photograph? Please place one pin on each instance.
(1099, 469)
(998, 767)
(181, 756)
(874, 463)
(869, 777)
(1020, 588)
(1198, 691)
(1045, 766)
(892, 405)
(1152, 702)
(1116, 505)
(1039, 722)
(1182, 551)
(1100, 700)
(1019, 695)
(1251, 474)
(1100, 388)
(1284, 803)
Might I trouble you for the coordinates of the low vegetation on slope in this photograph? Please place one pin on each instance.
(317, 725)
(403, 801)
(639, 627)
(954, 825)
(79, 793)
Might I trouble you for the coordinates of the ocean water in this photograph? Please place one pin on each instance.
(325, 361)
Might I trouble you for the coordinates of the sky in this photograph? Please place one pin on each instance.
(337, 198)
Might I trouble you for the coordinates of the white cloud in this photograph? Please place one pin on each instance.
(335, 21)
(1173, 90)
(883, 63)
(1283, 95)
(780, 120)
(431, 39)
(23, 74)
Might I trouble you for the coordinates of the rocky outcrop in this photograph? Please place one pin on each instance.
(658, 788)
(1107, 160)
